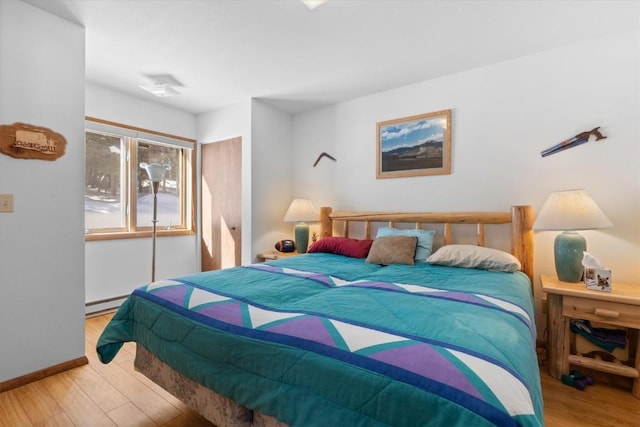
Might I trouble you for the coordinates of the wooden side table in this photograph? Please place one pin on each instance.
(618, 308)
(271, 255)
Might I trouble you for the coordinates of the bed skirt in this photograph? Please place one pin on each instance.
(218, 409)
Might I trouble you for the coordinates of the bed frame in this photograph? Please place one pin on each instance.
(226, 413)
(520, 218)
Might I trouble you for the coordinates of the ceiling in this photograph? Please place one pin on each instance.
(227, 51)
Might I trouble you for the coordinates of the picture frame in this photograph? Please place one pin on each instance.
(414, 146)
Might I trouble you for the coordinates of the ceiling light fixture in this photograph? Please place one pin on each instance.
(312, 4)
(163, 85)
(160, 90)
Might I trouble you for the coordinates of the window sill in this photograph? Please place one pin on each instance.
(90, 237)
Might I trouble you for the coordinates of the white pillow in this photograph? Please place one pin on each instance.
(470, 256)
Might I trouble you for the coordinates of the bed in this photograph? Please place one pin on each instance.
(333, 339)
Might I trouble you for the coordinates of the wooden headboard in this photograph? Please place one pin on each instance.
(520, 218)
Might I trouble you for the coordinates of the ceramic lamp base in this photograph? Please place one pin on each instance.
(301, 232)
(568, 250)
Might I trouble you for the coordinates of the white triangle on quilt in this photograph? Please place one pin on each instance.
(162, 284)
(200, 297)
(511, 392)
(358, 337)
(505, 305)
(417, 288)
(296, 272)
(341, 282)
(260, 317)
(260, 265)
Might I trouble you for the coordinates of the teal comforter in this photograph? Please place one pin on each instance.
(325, 340)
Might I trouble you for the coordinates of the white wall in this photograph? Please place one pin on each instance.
(42, 241)
(115, 267)
(315, 132)
(219, 125)
(266, 168)
(272, 180)
(107, 104)
(503, 116)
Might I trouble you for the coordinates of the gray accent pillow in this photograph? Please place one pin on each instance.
(389, 250)
(425, 239)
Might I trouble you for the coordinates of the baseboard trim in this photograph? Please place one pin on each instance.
(43, 373)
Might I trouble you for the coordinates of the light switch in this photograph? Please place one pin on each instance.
(6, 202)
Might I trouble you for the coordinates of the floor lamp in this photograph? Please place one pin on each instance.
(155, 172)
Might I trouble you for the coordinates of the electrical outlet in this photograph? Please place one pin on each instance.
(6, 202)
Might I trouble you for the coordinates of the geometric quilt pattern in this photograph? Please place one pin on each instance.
(465, 297)
(431, 366)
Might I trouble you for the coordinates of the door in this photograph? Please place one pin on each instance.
(221, 204)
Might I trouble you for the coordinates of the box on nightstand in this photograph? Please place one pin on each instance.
(598, 279)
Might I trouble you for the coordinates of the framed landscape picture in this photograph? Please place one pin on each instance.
(414, 146)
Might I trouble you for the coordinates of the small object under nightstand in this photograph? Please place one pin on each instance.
(272, 255)
(618, 308)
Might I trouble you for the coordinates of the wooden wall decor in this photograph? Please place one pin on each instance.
(24, 141)
(579, 139)
(324, 154)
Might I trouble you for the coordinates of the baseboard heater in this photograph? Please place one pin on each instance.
(96, 307)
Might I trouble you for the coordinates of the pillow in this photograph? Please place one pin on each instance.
(389, 250)
(425, 239)
(342, 246)
(470, 256)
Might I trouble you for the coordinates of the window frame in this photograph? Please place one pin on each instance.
(132, 135)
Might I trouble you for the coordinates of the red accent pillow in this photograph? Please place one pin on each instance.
(353, 248)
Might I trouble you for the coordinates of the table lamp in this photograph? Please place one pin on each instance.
(301, 210)
(568, 211)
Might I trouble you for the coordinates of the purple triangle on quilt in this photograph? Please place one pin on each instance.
(425, 361)
(310, 328)
(462, 296)
(175, 294)
(228, 312)
(320, 278)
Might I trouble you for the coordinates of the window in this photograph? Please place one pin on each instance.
(118, 193)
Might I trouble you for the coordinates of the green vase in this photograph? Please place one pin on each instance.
(569, 248)
(301, 232)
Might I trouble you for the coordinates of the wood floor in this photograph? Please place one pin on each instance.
(115, 395)
(96, 395)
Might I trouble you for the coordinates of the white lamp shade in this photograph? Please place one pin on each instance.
(154, 170)
(570, 210)
(301, 210)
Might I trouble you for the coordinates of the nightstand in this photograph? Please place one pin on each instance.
(618, 308)
(271, 255)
